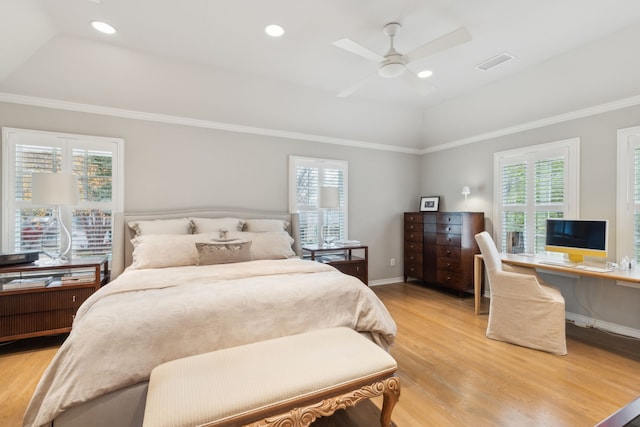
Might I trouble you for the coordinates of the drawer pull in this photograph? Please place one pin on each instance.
(73, 298)
(448, 264)
(448, 252)
(411, 236)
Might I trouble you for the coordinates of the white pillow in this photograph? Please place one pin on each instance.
(267, 245)
(261, 225)
(167, 250)
(209, 225)
(162, 226)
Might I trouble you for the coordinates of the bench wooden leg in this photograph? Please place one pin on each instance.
(304, 416)
(390, 395)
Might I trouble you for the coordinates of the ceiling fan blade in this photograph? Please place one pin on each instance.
(353, 88)
(449, 40)
(356, 48)
(419, 85)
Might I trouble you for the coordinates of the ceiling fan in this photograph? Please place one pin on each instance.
(394, 64)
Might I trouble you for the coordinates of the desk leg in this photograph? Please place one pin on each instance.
(477, 282)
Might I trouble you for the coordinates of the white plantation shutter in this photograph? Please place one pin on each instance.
(636, 200)
(92, 218)
(534, 184)
(628, 209)
(306, 176)
(94, 161)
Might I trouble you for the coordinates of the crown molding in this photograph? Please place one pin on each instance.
(578, 114)
(305, 137)
(186, 121)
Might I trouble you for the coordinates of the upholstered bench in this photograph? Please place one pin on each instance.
(284, 381)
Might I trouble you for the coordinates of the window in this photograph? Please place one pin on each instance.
(628, 210)
(306, 176)
(95, 161)
(532, 184)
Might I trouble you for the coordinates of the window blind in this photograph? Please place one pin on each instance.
(636, 201)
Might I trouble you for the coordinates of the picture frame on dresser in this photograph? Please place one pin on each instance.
(429, 204)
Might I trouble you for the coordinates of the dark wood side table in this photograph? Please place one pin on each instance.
(47, 310)
(342, 258)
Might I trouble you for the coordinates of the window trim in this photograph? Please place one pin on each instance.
(570, 148)
(628, 139)
(9, 172)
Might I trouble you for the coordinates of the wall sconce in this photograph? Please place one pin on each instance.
(465, 193)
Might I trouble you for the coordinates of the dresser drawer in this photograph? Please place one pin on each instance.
(445, 251)
(46, 300)
(413, 258)
(449, 218)
(30, 323)
(451, 279)
(414, 269)
(448, 239)
(412, 227)
(411, 246)
(449, 264)
(450, 228)
(412, 218)
(413, 236)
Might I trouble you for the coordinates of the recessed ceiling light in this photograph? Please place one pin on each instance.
(103, 27)
(425, 74)
(274, 30)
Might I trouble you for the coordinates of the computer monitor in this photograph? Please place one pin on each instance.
(577, 238)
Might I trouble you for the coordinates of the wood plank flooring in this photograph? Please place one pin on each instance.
(451, 374)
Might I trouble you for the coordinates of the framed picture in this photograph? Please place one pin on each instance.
(429, 204)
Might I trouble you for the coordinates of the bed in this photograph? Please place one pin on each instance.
(189, 282)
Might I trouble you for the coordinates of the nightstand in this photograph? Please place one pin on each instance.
(47, 310)
(342, 257)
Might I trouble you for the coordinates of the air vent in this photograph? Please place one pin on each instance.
(495, 61)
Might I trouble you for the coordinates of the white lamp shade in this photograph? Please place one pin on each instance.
(54, 189)
(329, 197)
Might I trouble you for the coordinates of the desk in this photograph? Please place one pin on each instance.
(534, 262)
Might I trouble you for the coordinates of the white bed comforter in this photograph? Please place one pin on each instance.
(147, 317)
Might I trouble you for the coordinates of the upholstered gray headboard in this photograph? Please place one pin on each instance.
(123, 249)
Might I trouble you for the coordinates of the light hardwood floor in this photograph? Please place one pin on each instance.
(451, 374)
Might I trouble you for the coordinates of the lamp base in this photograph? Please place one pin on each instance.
(56, 240)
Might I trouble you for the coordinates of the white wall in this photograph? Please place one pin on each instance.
(445, 172)
(174, 166)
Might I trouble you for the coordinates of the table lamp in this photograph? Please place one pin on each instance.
(57, 189)
(329, 199)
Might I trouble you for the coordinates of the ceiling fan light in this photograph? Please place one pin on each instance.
(392, 69)
(425, 74)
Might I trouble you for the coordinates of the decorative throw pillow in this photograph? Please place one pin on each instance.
(162, 226)
(209, 225)
(223, 252)
(262, 225)
(267, 245)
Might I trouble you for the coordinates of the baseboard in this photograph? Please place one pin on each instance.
(588, 322)
(386, 281)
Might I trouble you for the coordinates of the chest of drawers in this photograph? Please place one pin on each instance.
(439, 247)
